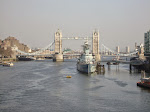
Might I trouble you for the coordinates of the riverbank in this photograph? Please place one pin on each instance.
(8, 59)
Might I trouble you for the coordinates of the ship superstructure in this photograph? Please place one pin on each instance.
(86, 63)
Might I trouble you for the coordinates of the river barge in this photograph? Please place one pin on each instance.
(26, 58)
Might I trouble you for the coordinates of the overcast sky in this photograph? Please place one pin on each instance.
(34, 22)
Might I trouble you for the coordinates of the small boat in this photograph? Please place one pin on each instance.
(68, 76)
(115, 63)
(9, 64)
(145, 82)
(40, 59)
(109, 63)
(112, 63)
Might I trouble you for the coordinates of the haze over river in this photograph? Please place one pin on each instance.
(42, 86)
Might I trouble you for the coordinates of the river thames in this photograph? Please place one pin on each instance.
(42, 86)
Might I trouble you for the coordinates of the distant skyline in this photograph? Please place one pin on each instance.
(34, 22)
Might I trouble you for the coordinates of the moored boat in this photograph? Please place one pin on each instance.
(9, 64)
(109, 63)
(145, 82)
(26, 58)
(40, 59)
(86, 63)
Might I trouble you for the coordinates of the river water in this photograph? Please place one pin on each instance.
(42, 86)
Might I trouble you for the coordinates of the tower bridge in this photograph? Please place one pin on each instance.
(57, 44)
(58, 55)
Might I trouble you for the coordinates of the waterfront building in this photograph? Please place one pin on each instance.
(117, 49)
(147, 43)
(127, 49)
(140, 49)
(135, 46)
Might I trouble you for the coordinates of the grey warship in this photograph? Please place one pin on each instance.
(86, 63)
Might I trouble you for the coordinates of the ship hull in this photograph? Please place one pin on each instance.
(145, 85)
(86, 68)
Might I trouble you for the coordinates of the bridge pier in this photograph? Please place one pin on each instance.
(58, 58)
(97, 57)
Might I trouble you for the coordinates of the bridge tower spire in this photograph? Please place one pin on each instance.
(95, 45)
(58, 42)
(58, 46)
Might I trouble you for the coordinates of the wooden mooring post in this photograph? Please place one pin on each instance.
(100, 68)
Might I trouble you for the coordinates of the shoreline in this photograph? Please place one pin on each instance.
(8, 59)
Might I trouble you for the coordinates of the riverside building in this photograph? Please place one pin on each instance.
(147, 43)
(117, 49)
(127, 49)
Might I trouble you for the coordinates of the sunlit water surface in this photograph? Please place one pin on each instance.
(42, 86)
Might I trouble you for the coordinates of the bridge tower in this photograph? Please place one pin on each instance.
(95, 45)
(58, 46)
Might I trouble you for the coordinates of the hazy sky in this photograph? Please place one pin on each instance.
(34, 22)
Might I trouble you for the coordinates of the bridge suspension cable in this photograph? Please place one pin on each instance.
(103, 47)
(37, 52)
